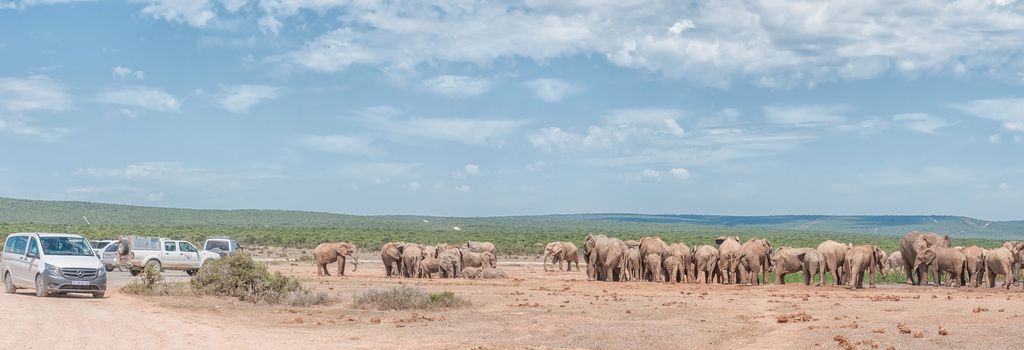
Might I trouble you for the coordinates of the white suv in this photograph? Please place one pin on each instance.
(52, 263)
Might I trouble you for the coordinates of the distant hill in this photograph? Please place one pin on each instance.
(19, 211)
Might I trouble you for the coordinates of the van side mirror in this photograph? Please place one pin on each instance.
(31, 255)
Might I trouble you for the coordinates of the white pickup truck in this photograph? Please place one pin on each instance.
(162, 254)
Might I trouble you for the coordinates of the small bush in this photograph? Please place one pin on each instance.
(405, 297)
(239, 276)
(150, 283)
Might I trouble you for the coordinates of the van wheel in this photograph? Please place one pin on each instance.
(41, 287)
(155, 265)
(8, 284)
(98, 295)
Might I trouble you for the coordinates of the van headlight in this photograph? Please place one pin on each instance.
(52, 270)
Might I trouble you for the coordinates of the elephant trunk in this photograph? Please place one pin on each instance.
(355, 262)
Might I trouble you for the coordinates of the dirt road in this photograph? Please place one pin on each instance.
(534, 309)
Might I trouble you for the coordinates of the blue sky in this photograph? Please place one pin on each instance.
(473, 108)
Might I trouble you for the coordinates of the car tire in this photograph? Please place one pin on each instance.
(98, 295)
(9, 284)
(41, 287)
(191, 272)
(109, 268)
(155, 265)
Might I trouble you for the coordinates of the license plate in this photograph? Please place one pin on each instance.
(79, 283)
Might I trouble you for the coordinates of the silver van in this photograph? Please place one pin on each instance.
(52, 263)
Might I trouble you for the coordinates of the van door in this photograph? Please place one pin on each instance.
(33, 261)
(14, 258)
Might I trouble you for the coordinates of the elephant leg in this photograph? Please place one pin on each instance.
(341, 266)
(910, 274)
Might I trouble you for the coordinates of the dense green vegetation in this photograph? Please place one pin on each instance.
(512, 235)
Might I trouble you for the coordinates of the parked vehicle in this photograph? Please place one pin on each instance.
(52, 263)
(222, 246)
(109, 256)
(99, 245)
(162, 254)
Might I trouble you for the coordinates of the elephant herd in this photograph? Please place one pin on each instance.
(922, 257)
(411, 260)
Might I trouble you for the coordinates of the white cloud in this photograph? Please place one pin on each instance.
(551, 90)
(16, 4)
(995, 138)
(341, 144)
(196, 13)
(463, 188)
(617, 128)
(176, 174)
(470, 131)
(805, 116)
(1008, 111)
(141, 97)
(125, 72)
(35, 93)
(681, 26)
(921, 122)
(238, 99)
(472, 169)
(680, 173)
(18, 126)
(457, 86)
(650, 174)
(414, 186)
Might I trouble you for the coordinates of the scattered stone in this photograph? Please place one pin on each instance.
(904, 329)
(943, 331)
(844, 342)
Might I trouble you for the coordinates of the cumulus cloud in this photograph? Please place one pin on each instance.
(196, 13)
(1008, 111)
(457, 86)
(472, 169)
(618, 127)
(125, 72)
(680, 173)
(238, 99)
(141, 97)
(551, 90)
(18, 126)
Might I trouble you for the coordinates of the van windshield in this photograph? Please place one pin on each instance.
(71, 246)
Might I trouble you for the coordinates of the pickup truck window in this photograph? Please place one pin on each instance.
(170, 247)
(187, 247)
(111, 247)
(217, 244)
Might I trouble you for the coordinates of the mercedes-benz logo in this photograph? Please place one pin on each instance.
(81, 273)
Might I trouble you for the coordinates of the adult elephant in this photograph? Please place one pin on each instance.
(685, 256)
(451, 262)
(975, 269)
(489, 260)
(788, 260)
(472, 259)
(728, 259)
(411, 256)
(329, 253)
(861, 259)
(391, 256)
(648, 246)
(705, 259)
(1000, 261)
(673, 267)
(894, 262)
(814, 263)
(562, 251)
(755, 259)
(835, 256)
(913, 243)
(480, 247)
(428, 267)
(948, 260)
(605, 257)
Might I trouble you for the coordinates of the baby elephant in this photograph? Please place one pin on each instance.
(471, 272)
(491, 273)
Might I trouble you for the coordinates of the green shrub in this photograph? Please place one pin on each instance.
(238, 275)
(150, 283)
(405, 297)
